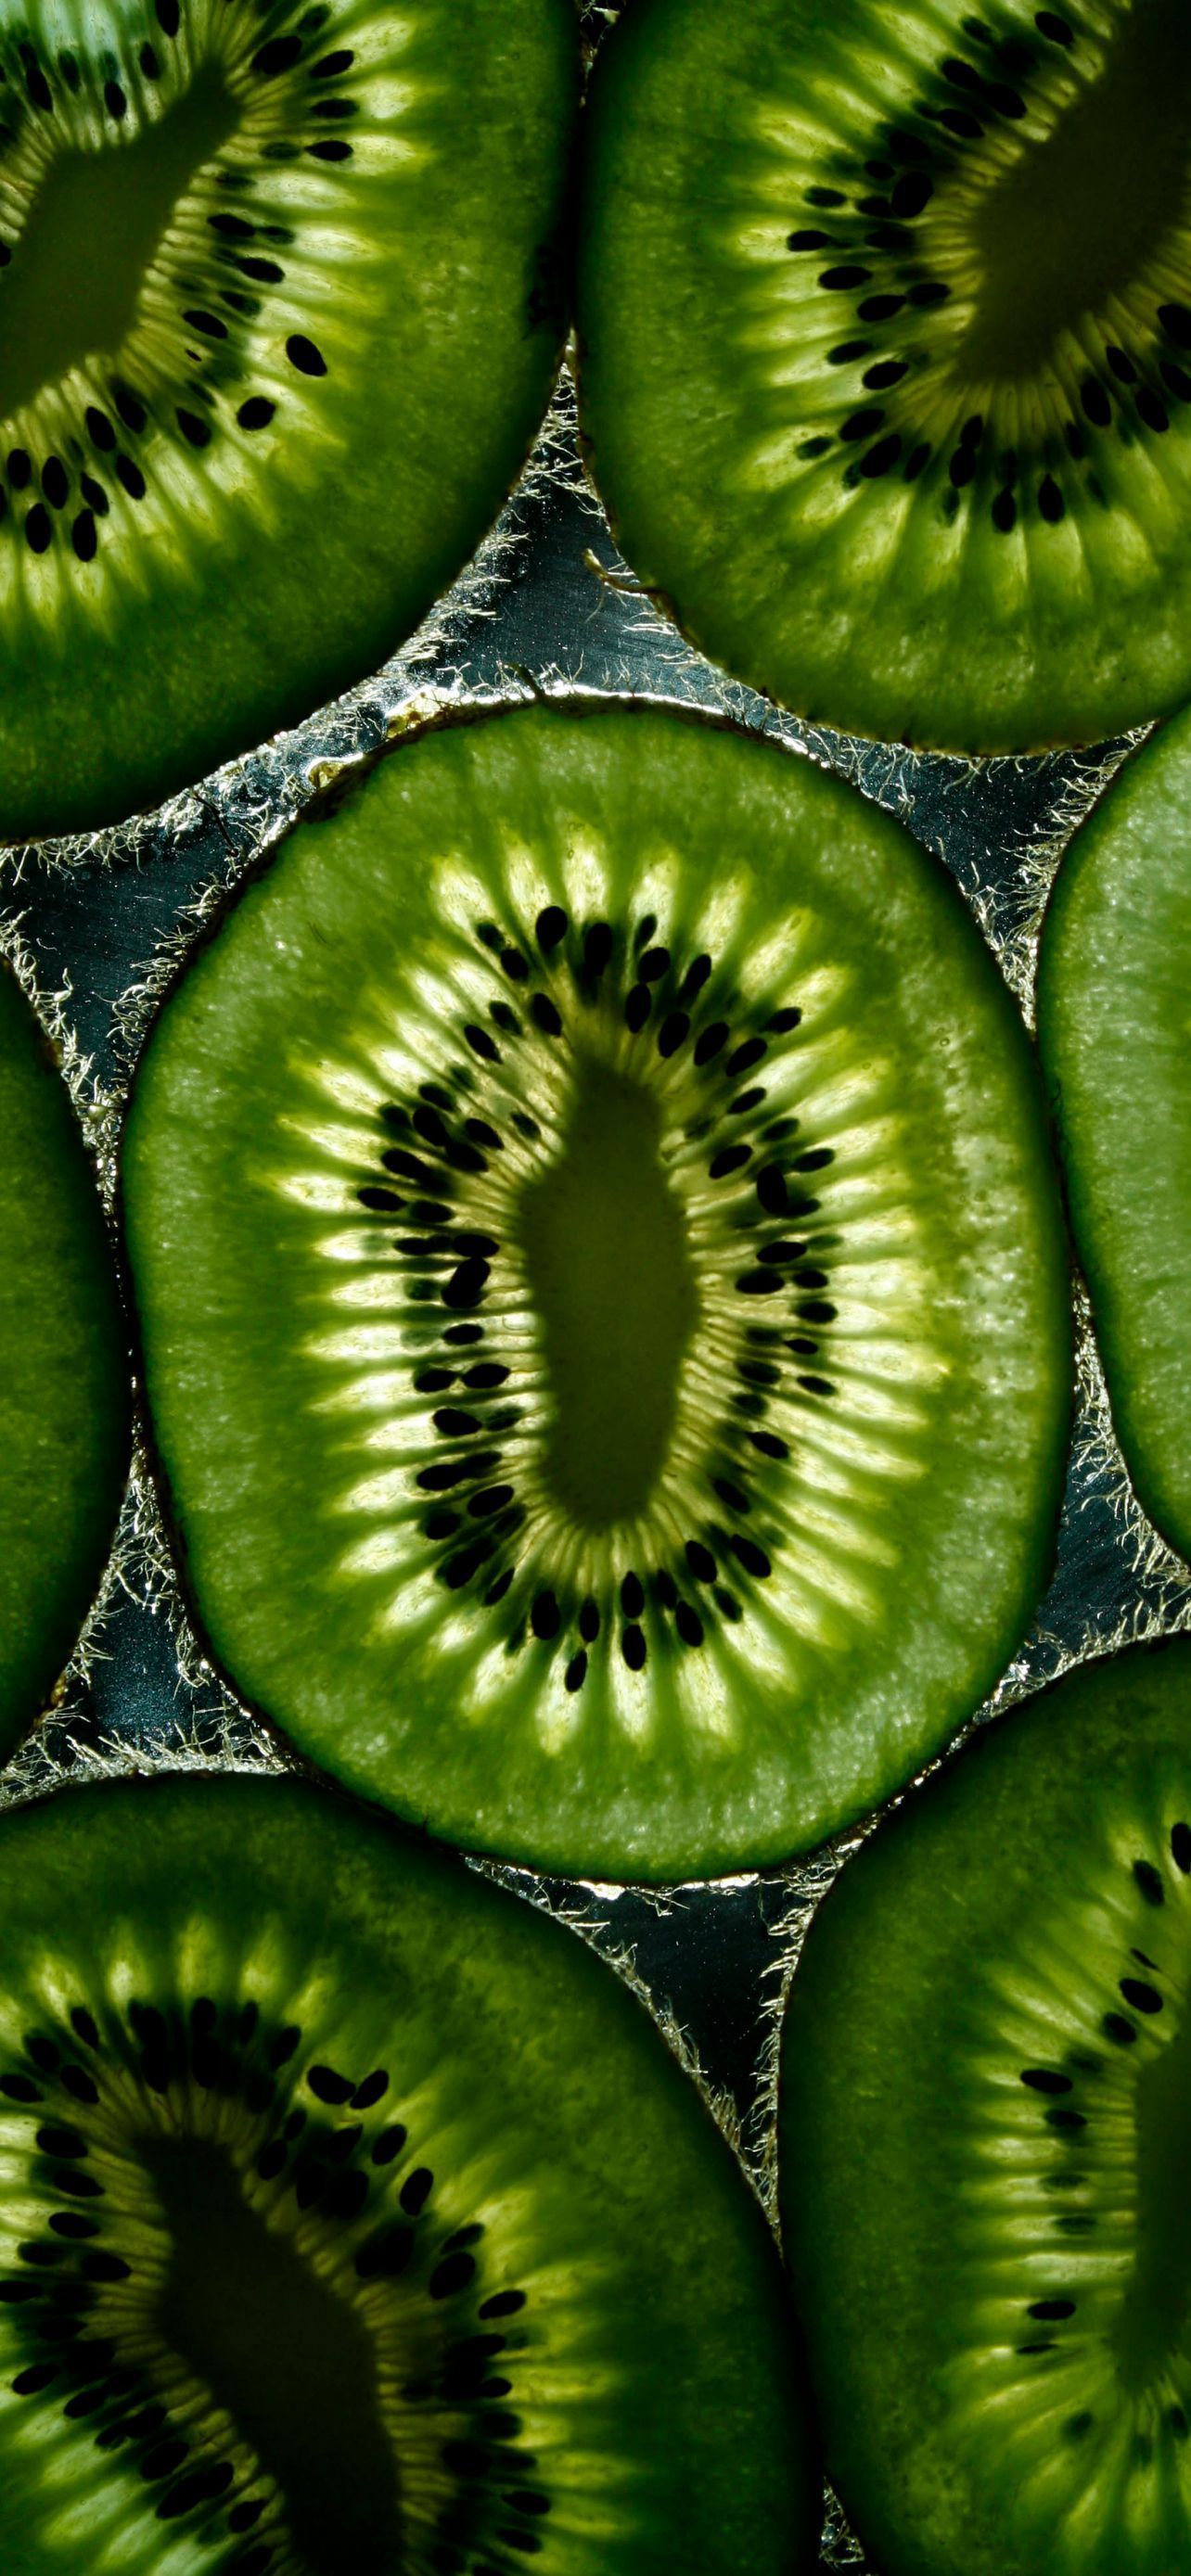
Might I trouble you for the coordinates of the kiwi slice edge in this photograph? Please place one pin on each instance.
(811, 244)
(1113, 969)
(376, 2090)
(229, 494)
(981, 2131)
(64, 1386)
(543, 787)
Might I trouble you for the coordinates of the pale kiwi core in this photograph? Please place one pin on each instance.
(611, 1276)
(93, 230)
(1050, 236)
(282, 2353)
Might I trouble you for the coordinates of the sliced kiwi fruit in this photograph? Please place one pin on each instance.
(885, 324)
(353, 2215)
(1114, 1013)
(64, 1400)
(985, 2111)
(280, 305)
(602, 1292)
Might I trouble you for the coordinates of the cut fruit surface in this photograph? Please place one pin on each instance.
(64, 1379)
(885, 341)
(1114, 1018)
(280, 305)
(353, 2215)
(985, 2115)
(603, 1293)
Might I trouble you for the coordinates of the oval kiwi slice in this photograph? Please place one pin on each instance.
(279, 312)
(985, 2105)
(603, 1293)
(64, 1377)
(885, 323)
(1113, 1017)
(354, 2216)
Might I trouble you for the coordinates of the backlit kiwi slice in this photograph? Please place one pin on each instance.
(279, 310)
(885, 317)
(602, 1293)
(354, 2216)
(985, 2119)
(1114, 1015)
(63, 1373)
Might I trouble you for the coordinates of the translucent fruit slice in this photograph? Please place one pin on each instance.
(885, 326)
(603, 1293)
(64, 1376)
(985, 2113)
(280, 307)
(1114, 1016)
(353, 2215)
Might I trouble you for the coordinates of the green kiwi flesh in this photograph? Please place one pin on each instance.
(602, 1293)
(985, 2110)
(1113, 981)
(353, 2215)
(279, 314)
(986, 2116)
(885, 340)
(64, 1391)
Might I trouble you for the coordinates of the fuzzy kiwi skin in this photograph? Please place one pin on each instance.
(64, 1389)
(934, 1898)
(556, 2049)
(1112, 1032)
(186, 654)
(966, 671)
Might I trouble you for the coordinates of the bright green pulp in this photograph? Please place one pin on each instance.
(63, 1384)
(279, 313)
(389, 2228)
(984, 2117)
(1114, 1021)
(703, 1488)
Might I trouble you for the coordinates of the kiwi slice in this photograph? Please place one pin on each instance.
(602, 1291)
(885, 322)
(279, 313)
(1113, 983)
(354, 2215)
(64, 1379)
(985, 2110)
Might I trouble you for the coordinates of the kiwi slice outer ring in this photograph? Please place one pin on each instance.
(287, 562)
(559, 2112)
(698, 527)
(971, 1970)
(642, 1845)
(65, 1400)
(1113, 962)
